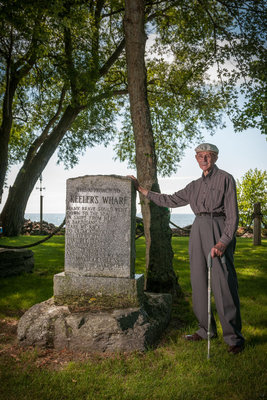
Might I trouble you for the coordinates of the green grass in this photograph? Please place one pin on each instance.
(21, 292)
(175, 370)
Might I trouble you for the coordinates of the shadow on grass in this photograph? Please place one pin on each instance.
(256, 339)
(21, 292)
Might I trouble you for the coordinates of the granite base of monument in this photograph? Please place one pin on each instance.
(106, 291)
(51, 326)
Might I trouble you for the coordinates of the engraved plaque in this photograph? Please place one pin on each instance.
(100, 226)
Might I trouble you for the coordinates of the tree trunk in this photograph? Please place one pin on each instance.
(257, 224)
(159, 254)
(13, 212)
(4, 140)
(5, 128)
(13, 77)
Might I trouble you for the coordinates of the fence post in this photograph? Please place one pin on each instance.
(257, 224)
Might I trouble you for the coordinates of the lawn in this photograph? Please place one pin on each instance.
(174, 370)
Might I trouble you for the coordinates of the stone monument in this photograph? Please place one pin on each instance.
(99, 302)
(100, 243)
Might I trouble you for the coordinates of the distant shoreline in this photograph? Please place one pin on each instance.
(181, 220)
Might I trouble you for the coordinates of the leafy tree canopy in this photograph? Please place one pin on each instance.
(79, 60)
(75, 50)
(205, 57)
(251, 189)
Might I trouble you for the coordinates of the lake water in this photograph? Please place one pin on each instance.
(181, 220)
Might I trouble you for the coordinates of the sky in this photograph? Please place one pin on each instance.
(238, 152)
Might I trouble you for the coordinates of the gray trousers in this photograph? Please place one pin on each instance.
(223, 282)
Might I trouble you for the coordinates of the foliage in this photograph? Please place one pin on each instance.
(73, 55)
(174, 370)
(204, 58)
(89, 129)
(78, 49)
(177, 119)
(251, 189)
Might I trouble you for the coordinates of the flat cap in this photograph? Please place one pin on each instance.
(207, 147)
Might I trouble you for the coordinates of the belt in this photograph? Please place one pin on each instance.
(215, 214)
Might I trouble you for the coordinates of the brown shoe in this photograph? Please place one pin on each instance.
(235, 349)
(193, 338)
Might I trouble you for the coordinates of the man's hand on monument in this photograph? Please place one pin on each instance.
(218, 250)
(135, 181)
(137, 185)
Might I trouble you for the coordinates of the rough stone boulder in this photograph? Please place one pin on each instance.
(15, 261)
(48, 325)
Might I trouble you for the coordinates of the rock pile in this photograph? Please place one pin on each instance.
(34, 228)
(181, 231)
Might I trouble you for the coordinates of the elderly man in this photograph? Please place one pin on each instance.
(213, 200)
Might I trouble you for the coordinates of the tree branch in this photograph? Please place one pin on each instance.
(108, 64)
(28, 60)
(105, 68)
(112, 13)
(69, 61)
(106, 95)
(173, 4)
(7, 104)
(213, 23)
(40, 140)
(23, 109)
(95, 41)
(245, 7)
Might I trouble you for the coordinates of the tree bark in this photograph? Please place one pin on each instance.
(13, 212)
(257, 225)
(160, 275)
(15, 72)
(5, 128)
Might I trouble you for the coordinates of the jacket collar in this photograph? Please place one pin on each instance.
(212, 172)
